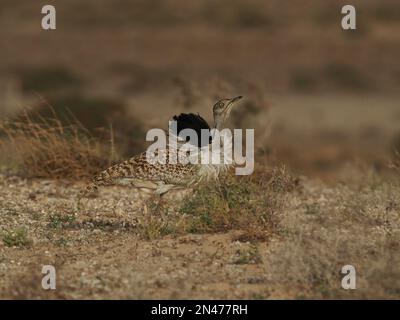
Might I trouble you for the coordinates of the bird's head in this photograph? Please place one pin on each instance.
(222, 110)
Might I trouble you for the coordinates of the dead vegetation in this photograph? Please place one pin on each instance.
(356, 224)
(251, 205)
(47, 148)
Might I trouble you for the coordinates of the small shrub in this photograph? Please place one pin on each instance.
(347, 77)
(251, 204)
(238, 14)
(48, 79)
(248, 256)
(312, 209)
(385, 13)
(57, 221)
(303, 79)
(248, 204)
(16, 238)
(153, 228)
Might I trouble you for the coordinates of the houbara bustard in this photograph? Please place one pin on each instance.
(139, 172)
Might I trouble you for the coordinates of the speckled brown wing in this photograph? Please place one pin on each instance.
(138, 167)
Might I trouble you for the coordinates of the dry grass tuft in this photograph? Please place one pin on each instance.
(251, 204)
(395, 163)
(47, 148)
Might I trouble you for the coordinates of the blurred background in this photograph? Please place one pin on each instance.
(318, 97)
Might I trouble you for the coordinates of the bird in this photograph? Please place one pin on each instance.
(138, 172)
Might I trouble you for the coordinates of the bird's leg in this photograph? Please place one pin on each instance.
(222, 191)
(218, 184)
(159, 192)
(163, 189)
(90, 189)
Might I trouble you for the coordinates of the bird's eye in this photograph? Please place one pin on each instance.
(220, 104)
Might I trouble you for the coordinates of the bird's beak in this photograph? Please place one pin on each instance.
(236, 99)
(230, 104)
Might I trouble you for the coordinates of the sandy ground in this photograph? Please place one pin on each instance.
(99, 253)
(331, 104)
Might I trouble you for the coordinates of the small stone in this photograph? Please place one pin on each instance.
(32, 196)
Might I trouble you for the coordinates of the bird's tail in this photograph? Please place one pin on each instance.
(90, 189)
(107, 177)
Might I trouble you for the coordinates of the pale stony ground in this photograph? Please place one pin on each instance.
(99, 253)
(296, 57)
